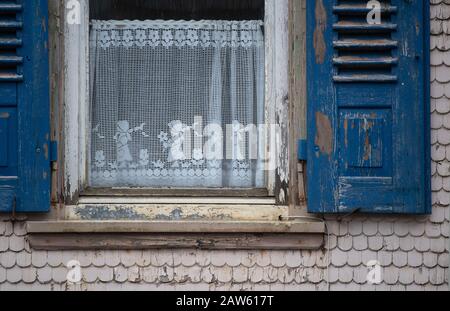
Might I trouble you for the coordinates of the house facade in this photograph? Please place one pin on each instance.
(294, 228)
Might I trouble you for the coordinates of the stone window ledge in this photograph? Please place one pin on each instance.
(132, 235)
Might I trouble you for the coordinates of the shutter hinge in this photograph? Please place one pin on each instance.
(302, 150)
(53, 151)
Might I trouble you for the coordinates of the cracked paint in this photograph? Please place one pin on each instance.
(324, 134)
(319, 39)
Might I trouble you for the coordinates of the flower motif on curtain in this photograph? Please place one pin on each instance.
(128, 38)
(100, 159)
(205, 39)
(203, 33)
(115, 38)
(180, 38)
(167, 38)
(192, 38)
(153, 37)
(141, 37)
(104, 39)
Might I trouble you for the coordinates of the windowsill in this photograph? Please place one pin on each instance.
(256, 227)
(132, 235)
(175, 209)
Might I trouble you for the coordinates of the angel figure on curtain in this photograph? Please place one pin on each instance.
(122, 138)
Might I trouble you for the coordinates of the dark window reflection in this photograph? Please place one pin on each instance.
(176, 9)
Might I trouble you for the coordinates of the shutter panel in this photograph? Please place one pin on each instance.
(368, 110)
(24, 107)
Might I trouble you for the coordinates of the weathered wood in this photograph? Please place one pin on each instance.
(368, 104)
(181, 211)
(25, 175)
(76, 103)
(138, 192)
(174, 241)
(297, 103)
(277, 89)
(301, 178)
(176, 200)
(175, 227)
(56, 49)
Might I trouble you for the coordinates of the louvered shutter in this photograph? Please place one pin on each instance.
(368, 117)
(24, 107)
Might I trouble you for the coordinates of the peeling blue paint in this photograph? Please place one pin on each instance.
(25, 110)
(368, 105)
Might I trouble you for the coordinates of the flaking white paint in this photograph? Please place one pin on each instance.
(76, 101)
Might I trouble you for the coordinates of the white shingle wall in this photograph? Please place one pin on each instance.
(413, 251)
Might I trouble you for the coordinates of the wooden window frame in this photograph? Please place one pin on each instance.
(77, 117)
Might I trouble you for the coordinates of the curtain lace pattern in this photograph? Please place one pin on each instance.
(177, 104)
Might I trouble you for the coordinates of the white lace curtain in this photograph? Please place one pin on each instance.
(176, 104)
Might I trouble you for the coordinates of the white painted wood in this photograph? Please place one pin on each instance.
(183, 211)
(277, 56)
(161, 200)
(269, 33)
(76, 101)
(281, 87)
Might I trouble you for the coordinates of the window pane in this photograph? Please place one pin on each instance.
(176, 9)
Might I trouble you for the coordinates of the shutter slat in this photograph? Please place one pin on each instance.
(10, 77)
(350, 61)
(365, 44)
(10, 25)
(363, 49)
(10, 7)
(361, 9)
(365, 78)
(352, 27)
(10, 42)
(10, 60)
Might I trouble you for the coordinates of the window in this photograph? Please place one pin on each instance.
(177, 103)
(367, 101)
(261, 169)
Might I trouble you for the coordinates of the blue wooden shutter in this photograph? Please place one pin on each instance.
(368, 111)
(24, 106)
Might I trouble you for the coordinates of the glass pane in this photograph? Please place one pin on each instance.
(177, 103)
(176, 9)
